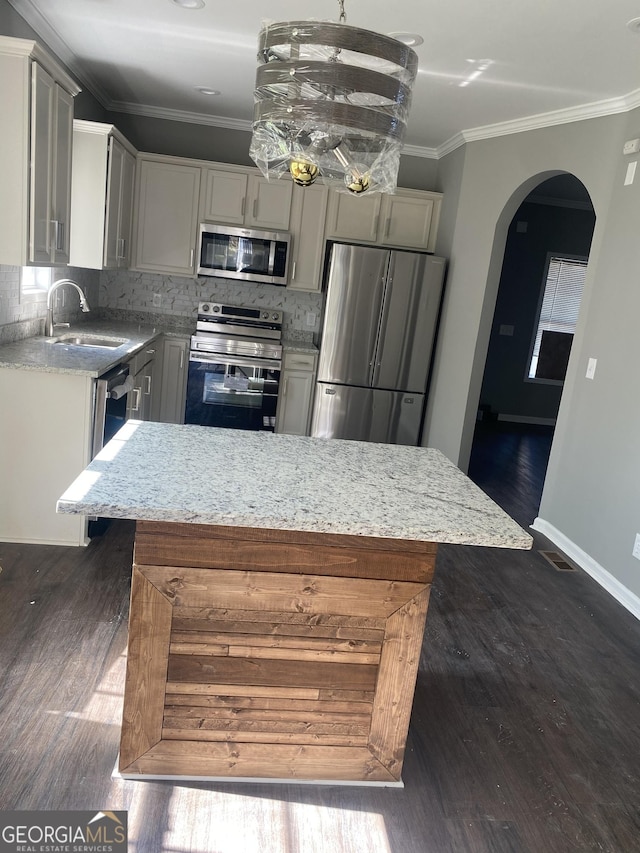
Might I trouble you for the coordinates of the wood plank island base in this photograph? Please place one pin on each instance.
(277, 619)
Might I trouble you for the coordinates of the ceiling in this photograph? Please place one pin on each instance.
(540, 62)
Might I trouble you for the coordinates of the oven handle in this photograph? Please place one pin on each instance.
(235, 361)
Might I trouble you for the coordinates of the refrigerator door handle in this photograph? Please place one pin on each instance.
(382, 327)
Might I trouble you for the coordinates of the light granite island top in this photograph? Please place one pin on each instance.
(202, 475)
(279, 595)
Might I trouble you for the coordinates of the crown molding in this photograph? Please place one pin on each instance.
(596, 109)
(451, 144)
(420, 151)
(179, 115)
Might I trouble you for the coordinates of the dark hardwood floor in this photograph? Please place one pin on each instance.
(524, 736)
(509, 462)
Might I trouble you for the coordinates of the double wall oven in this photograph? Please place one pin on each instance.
(234, 367)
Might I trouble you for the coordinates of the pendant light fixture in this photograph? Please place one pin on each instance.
(331, 102)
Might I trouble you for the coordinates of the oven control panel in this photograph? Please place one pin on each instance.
(239, 313)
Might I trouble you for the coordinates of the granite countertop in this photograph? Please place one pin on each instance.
(39, 353)
(291, 345)
(171, 472)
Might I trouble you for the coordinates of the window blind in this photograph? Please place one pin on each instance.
(560, 303)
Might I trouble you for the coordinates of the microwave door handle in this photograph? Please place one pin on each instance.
(272, 256)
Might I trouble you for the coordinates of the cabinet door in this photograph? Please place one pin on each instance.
(350, 217)
(294, 405)
(167, 217)
(175, 365)
(407, 221)
(125, 221)
(140, 398)
(62, 141)
(148, 389)
(119, 211)
(269, 203)
(225, 196)
(114, 185)
(41, 177)
(308, 213)
(296, 391)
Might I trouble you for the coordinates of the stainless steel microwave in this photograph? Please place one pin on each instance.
(243, 253)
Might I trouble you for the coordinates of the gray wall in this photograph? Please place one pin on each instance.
(592, 492)
(12, 24)
(549, 228)
(202, 142)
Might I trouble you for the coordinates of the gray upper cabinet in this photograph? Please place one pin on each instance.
(406, 219)
(241, 198)
(168, 194)
(103, 174)
(36, 103)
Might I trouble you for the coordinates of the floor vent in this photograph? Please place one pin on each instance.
(557, 561)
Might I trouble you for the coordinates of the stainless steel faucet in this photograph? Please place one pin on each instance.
(49, 325)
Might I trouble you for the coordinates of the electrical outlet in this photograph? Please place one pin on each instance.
(591, 368)
(636, 547)
(311, 318)
(157, 300)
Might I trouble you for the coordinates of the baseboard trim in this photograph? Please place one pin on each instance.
(526, 419)
(620, 592)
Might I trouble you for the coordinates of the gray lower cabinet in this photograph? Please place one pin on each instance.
(293, 415)
(173, 387)
(142, 369)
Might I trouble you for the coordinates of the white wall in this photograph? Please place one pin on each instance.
(592, 491)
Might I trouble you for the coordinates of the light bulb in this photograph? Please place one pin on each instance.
(303, 173)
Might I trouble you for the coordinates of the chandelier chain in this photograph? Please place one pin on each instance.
(343, 15)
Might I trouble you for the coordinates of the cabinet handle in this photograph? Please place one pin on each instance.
(191, 258)
(255, 208)
(58, 234)
(242, 206)
(181, 359)
(148, 381)
(284, 387)
(293, 271)
(386, 227)
(136, 406)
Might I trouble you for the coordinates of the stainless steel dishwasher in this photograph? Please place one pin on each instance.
(110, 410)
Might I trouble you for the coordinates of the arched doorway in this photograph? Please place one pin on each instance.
(547, 245)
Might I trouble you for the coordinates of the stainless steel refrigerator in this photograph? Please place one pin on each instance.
(377, 343)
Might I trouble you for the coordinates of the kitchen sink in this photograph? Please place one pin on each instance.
(89, 341)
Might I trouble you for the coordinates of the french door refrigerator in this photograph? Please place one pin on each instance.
(377, 343)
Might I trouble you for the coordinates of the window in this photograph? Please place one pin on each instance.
(556, 325)
(35, 282)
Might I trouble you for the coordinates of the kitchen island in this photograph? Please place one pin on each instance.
(279, 595)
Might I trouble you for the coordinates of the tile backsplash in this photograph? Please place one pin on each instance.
(23, 317)
(178, 296)
(139, 293)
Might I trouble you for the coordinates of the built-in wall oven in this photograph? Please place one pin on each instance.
(234, 367)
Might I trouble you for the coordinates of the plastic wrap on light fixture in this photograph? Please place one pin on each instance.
(331, 101)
